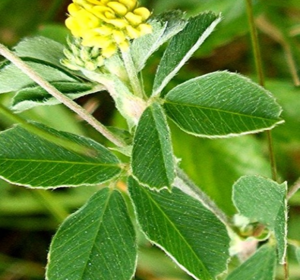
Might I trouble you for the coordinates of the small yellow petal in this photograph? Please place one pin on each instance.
(98, 41)
(124, 46)
(132, 32)
(99, 11)
(110, 15)
(109, 51)
(142, 12)
(133, 19)
(104, 30)
(144, 29)
(83, 4)
(119, 8)
(119, 36)
(130, 4)
(73, 9)
(95, 2)
(73, 26)
(118, 22)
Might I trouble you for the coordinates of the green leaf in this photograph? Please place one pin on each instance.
(263, 200)
(164, 27)
(40, 48)
(152, 155)
(260, 266)
(28, 160)
(221, 104)
(30, 97)
(13, 79)
(96, 242)
(187, 231)
(182, 47)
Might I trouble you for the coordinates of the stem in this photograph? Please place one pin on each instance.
(60, 96)
(65, 143)
(260, 75)
(278, 36)
(132, 74)
(259, 70)
(255, 43)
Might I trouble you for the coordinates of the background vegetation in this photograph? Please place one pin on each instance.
(27, 225)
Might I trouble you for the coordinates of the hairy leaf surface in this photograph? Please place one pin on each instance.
(152, 155)
(264, 201)
(182, 47)
(260, 266)
(29, 160)
(187, 231)
(96, 242)
(221, 104)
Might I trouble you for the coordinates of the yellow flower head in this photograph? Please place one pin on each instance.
(106, 24)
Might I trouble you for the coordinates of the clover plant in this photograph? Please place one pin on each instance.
(109, 46)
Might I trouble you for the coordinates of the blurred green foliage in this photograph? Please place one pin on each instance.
(26, 226)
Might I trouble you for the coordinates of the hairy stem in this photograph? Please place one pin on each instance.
(60, 96)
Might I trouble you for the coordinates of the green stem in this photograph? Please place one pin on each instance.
(132, 74)
(259, 70)
(255, 43)
(60, 96)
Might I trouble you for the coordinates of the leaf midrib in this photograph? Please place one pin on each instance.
(177, 230)
(59, 162)
(219, 110)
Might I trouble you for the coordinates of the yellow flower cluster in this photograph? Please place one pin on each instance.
(107, 24)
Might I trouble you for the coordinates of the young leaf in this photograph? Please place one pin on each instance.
(182, 47)
(163, 28)
(260, 266)
(221, 104)
(96, 242)
(187, 231)
(28, 160)
(30, 97)
(264, 201)
(40, 48)
(13, 79)
(152, 155)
